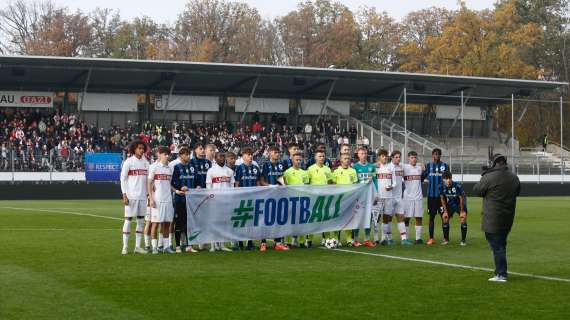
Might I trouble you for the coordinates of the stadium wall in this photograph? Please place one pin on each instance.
(78, 191)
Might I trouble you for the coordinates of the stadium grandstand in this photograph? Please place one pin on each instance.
(54, 110)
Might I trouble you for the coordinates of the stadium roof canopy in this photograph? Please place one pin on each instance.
(197, 78)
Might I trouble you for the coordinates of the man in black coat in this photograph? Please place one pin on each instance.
(499, 188)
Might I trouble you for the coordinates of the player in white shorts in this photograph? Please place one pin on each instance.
(384, 176)
(219, 176)
(134, 189)
(398, 202)
(413, 196)
(162, 210)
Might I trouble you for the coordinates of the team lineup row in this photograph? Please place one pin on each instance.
(155, 194)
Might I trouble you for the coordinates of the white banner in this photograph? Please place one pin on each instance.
(274, 212)
(118, 102)
(263, 105)
(453, 112)
(26, 99)
(187, 103)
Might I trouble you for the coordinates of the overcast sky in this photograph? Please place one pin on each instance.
(167, 10)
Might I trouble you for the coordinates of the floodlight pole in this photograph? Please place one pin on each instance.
(405, 120)
(513, 131)
(326, 102)
(462, 135)
(248, 101)
(561, 141)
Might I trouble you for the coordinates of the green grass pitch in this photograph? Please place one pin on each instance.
(57, 265)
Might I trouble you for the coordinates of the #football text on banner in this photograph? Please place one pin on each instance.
(274, 212)
(103, 167)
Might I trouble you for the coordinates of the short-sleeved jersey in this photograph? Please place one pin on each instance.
(384, 176)
(366, 172)
(319, 175)
(271, 172)
(133, 178)
(433, 173)
(294, 176)
(220, 177)
(201, 165)
(452, 195)
(160, 175)
(412, 182)
(345, 176)
(398, 178)
(327, 163)
(183, 175)
(247, 176)
(288, 163)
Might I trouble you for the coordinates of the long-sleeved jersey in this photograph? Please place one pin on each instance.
(201, 165)
(183, 175)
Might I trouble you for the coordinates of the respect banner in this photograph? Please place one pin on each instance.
(274, 212)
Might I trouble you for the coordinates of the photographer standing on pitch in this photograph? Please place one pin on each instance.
(499, 188)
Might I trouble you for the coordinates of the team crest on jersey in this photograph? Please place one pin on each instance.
(192, 169)
(442, 168)
(207, 165)
(254, 171)
(453, 189)
(280, 166)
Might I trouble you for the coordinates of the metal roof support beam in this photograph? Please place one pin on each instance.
(84, 92)
(314, 86)
(460, 113)
(240, 83)
(77, 77)
(513, 166)
(397, 105)
(172, 85)
(249, 100)
(562, 169)
(326, 102)
(380, 91)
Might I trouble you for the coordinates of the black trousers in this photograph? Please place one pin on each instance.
(498, 244)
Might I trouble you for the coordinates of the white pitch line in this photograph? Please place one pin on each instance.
(65, 212)
(452, 265)
(56, 229)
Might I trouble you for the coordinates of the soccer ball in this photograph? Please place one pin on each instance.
(331, 243)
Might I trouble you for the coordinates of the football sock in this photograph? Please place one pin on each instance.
(348, 234)
(445, 228)
(146, 240)
(375, 232)
(431, 226)
(171, 236)
(355, 234)
(403, 230)
(177, 237)
(418, 232)
(160, 239)
(385, 231)
(166, 242)
(463, 231)
(154, 243)
(367, 234)
(126, 232)
(139, 234)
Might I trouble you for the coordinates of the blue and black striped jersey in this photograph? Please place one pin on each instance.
(247, 176)
(452, 195)
(201, 165)
(433, 173)
(184, 175)
(271, 172)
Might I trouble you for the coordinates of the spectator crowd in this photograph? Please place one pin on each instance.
(44, 140)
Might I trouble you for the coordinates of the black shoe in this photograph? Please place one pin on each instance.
(419, 241)
(383, 243)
